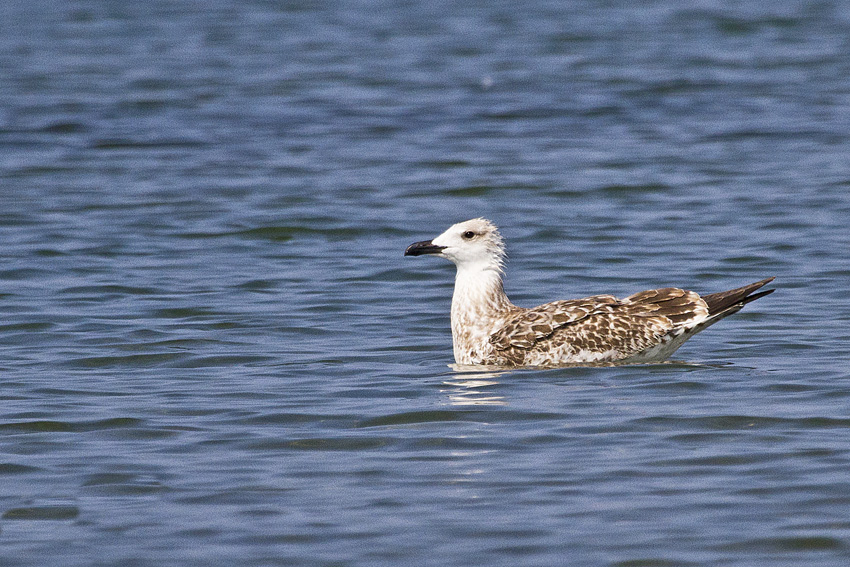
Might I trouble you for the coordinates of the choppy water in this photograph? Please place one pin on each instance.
(213, 352)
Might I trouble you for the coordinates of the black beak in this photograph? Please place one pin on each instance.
(424, 247)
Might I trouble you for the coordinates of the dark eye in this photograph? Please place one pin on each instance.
(468, 235)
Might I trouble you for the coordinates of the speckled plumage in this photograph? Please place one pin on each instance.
(488, 329)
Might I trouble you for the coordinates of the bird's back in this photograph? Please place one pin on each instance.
(600, 328)
(645, 327)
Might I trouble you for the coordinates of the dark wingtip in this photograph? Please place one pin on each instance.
(755, 296)
(718, 302)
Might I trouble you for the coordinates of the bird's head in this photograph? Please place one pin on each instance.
(475, 243)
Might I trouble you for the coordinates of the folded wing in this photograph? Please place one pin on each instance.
(601, 324)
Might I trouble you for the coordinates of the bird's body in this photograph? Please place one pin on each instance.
(488, 329)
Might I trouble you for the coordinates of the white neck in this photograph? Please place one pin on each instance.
(479, 308)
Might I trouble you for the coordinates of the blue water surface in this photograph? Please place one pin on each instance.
(212, 350)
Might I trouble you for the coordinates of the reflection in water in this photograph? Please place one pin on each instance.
(470, 385)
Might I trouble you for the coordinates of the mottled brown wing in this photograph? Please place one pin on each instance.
(640, 322)
(530, 325)
(683, 308)
(627, 325)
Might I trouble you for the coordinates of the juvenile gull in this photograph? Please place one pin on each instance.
(488, 329)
